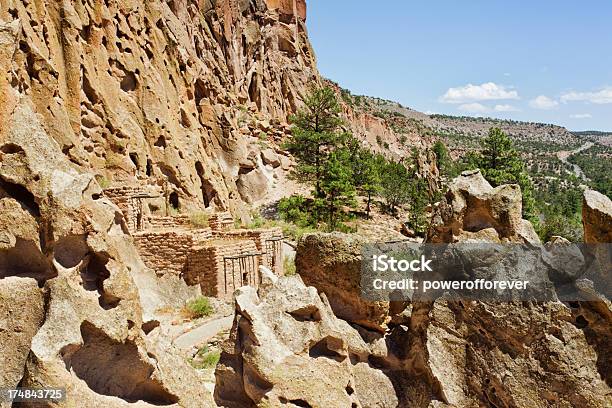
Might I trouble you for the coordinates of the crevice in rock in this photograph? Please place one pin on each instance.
(25, 260)
(147, 327)
(208, 191)
(22, 195)
(327, 348)
(114, 368)
(71, 250)
(93, 275)
(309, 313)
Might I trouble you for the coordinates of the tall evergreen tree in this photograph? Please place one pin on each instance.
(316, 132)
(337, 189)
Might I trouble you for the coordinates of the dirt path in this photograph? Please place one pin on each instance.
(564, 155)
(203, 333)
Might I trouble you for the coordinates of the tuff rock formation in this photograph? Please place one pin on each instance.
(172, 93)
(332, 264)
(435, 354)
(596, 217)
(474, 211)
(287, 349)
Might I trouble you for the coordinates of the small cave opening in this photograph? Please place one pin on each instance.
(25, 260)
(22, 195)
(134, 159)
(149, 169)
(69, 251)
(208, 191)
(254, 94)
(114, 368)
(173, 199)
(201, 91)
(147, 327)
(129, 82)
(160, 142)
(327, 348)
(11, 148)
(93, 277)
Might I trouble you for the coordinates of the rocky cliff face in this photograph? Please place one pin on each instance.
(159, 91)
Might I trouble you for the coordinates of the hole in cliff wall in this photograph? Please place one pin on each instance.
(25, 260)
(148, 327)
(11, 148)
(160, 142)
(173, 199)
(93, 277)
(254, 94)
(208, 191)
(71, 250)
(309, 313)
(114, 368)
(129, 82)
(327, 347)
(134, 159)
(22, 195)
(90, 93)
(296, 402)
(149, 167)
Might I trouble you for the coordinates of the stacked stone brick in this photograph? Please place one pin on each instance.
(220, 266)
(220, 259)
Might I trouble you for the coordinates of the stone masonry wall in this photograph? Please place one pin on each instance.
(266, 240)
(208, 265)
(165, 251)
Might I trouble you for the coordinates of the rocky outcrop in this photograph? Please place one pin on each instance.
(596, 217)
(159, 92)
(332, 264)
(21, 314)
(474, 211)
(61, 231)
(287, 348)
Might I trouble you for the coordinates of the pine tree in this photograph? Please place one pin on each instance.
(316, 132)
(337, 189)
(500, 164)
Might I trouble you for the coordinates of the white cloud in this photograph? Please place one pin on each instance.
(505, 108)
(543, 102)
(473, 108)
(473, 93)
(602, 96)
(581, 116)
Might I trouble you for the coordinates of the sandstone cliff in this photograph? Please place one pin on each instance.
(159, 92)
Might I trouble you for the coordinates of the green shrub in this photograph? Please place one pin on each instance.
(199, 307)
(289, 266)
(206, 359)
(199, 219)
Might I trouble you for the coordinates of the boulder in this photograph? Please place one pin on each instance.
(270, 157)
(596, 217)
(287, 348)
(21, 315)
(332, 264)
(473, 210)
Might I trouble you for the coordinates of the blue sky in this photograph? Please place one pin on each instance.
(539, 60)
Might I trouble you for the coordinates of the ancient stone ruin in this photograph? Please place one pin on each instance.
(218, 258)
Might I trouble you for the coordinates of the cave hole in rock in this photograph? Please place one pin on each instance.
(297, 402)
(25, 260)
(11, 148)
(69, 251)
(581, 322)
(114, 368)
(208, 191)
(20, 194)
(134, 159)
(147, 327)
(160, 142)
(327, 347)
(309, 313)
(93, 277)
(149, 169)
(173, 199)
(201, 91)
(254, 94)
